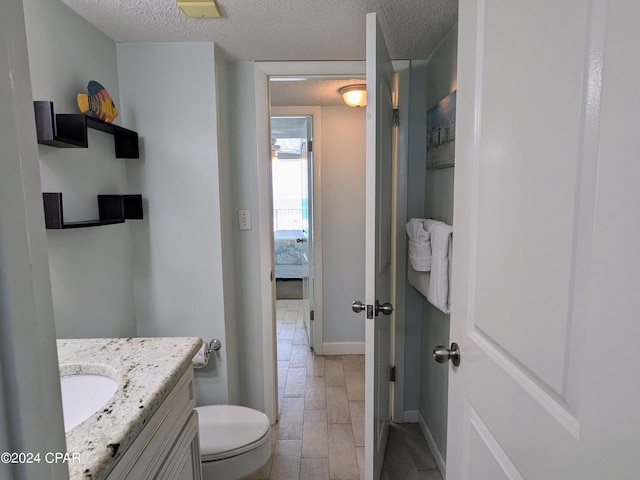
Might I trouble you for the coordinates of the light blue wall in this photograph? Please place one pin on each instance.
(90, 268)
(176, 272)
(241, 147)
(342, 169)
(441, 80)
(227, 220)
(415, 209)
(169, 95)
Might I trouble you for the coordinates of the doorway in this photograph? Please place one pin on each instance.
(292, 186)
(329, 344)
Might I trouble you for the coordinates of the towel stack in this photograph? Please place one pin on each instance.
(433, 281)
(419, 245)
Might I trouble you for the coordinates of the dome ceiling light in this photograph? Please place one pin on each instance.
(354, 95)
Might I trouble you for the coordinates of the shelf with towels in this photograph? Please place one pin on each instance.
(429, 254)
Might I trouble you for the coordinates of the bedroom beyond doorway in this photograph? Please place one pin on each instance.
(288, 289)
(292, 195)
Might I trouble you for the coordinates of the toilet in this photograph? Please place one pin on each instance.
(235, 441)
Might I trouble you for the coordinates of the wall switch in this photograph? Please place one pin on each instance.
(244, 219)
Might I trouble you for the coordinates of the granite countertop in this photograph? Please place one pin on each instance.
(146, 370)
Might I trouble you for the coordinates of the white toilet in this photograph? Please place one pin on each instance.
(234, 441)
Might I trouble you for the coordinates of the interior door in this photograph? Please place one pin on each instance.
(306, 158)
(545, 261)
(379, 158)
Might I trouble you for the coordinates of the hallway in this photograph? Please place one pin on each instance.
(320, 434)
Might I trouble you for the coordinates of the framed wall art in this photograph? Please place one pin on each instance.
(441, 133)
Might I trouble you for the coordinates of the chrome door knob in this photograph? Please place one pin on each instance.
(358, 306)
(385, 308)
(443, 354)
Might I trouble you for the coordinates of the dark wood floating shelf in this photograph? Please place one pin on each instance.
(69, 130)
(111, 209)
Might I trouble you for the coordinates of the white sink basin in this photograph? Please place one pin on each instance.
(83, 395)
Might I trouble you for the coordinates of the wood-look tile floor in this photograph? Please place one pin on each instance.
(320, 434)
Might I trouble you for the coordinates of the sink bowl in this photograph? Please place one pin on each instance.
(83, 395)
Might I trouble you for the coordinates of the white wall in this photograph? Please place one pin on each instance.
(343, 232)
(90, 268)
(441, 80)
(169, 95)
(228, 221)
(30, 405)
(242, 193)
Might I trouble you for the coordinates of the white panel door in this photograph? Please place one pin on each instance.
(379, 158)
(306, 158)
(546, 263)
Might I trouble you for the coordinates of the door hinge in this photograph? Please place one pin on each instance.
(392, 374)
(312, 315)
(396, 117)
(310, 146)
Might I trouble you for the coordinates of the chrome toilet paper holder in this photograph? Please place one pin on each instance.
(213, 346)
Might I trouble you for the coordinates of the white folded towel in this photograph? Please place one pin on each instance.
(417, 231)
(420, 256)
(429, 223)
(419, 245)
(441, 246)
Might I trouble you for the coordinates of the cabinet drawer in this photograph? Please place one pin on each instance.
(152, 446)
(183, 461)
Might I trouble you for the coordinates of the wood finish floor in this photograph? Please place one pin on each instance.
(320, 434)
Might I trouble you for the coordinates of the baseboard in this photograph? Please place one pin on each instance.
(432, 446)
(343, 348)
(411, 416)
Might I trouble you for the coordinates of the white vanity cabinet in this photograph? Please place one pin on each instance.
(167, 447)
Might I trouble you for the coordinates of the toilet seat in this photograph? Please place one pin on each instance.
(230, 430)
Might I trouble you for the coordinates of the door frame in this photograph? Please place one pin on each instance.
(399, 208)
(316, 114)
(262, 72)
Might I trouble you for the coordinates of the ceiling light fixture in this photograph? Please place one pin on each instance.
(354, 95)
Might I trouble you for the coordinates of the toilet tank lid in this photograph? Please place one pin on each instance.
(224, 428)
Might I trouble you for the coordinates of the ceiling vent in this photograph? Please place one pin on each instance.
(200, 8)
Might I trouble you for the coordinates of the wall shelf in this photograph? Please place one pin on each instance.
(111, 209)
(69, 130)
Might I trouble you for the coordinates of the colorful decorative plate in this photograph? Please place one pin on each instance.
(97, 103)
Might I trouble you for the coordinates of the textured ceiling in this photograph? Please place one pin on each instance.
(281, 30)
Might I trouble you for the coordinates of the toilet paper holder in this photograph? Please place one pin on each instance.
(201, 358)
(213, 346)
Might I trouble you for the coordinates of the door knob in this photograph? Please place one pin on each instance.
(385, 308)
(358, 306)
(443, 354)
(299, 240)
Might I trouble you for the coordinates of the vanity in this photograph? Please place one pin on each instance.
(147, 428)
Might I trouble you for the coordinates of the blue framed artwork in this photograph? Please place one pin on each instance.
(441, 133)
